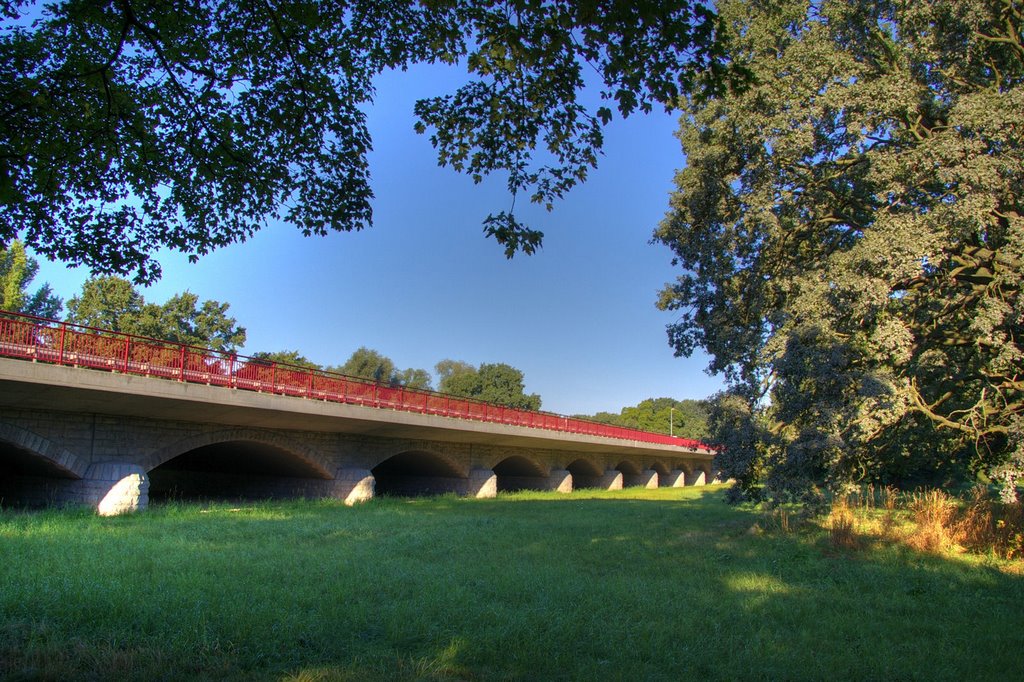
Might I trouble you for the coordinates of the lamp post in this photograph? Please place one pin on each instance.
(671, 421)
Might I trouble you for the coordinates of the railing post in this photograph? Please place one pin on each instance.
(273, 377)
(127, 350)
(181, 363)
(309, 384)
(63, 332)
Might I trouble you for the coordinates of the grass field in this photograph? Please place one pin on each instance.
(666, 584)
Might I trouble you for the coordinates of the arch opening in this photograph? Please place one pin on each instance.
(585, 474)
(664, 471)
(28, 479)
(519, 473)
(418, 473)
(237, 470)
(632, 475)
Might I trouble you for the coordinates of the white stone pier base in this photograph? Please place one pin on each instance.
(482, 483)
(352, 486)
(675, 479)
(560, 480)
(114, 488)
(648, 479)
(612, 480)
(697, 477)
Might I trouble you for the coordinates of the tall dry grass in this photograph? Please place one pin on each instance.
(930, 521)
(842, 525)
(989, 525)
(935, 521)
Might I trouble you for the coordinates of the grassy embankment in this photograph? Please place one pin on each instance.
(631, 585)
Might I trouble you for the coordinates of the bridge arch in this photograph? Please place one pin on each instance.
(33, 468)
(22, 448)
(664, 473)
(413, 473)
(632, 473)
(237, 464)
(518, 472)
(663, 469)
(585, 473)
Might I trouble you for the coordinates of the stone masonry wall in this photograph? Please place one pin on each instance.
(107, 461)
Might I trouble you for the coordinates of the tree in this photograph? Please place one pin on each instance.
(113, 303)
(369, 364)
(447, 371)
(419, 379)
(286, 357)
(493, 383)
(851, 234)
(138, 125)
(107, 302)
(17, 270)
(181, 320)
(684, 418)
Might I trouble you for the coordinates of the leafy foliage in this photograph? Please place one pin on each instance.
(685, 418)
(370, 364)
(419, 379)
(851, 234)
(491, 382)
(447, 371)
(112, 303)
(140, 125)
(286, 357)
(107, 303)
(17, 270)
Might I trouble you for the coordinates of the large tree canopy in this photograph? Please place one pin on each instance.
(134, 125)
(851, 233)
(491, 382)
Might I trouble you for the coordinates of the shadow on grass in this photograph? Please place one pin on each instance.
(625, 585)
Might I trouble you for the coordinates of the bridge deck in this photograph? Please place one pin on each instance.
(188, 373)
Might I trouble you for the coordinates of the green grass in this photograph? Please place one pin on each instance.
(665, 584)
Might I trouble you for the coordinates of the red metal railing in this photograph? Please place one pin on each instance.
(52, 341)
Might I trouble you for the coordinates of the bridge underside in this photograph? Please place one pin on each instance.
(236, 470)
(244, 467)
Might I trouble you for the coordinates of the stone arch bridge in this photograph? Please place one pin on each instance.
(70, 435)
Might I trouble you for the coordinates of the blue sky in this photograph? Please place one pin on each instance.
(424, 284)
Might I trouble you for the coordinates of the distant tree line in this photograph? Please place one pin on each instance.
(495, 383)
